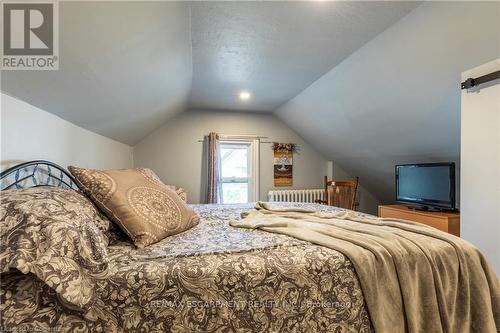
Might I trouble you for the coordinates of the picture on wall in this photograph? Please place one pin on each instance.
(283, 164)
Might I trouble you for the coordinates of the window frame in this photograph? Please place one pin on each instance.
(253, 160)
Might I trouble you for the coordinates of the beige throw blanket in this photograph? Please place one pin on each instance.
(414, 278)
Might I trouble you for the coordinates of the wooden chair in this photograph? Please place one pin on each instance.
(340, 194)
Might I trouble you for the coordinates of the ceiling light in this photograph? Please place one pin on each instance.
(245, 95)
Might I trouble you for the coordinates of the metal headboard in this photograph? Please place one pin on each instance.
(36, 173)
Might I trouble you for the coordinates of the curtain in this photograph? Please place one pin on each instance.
(214, 189)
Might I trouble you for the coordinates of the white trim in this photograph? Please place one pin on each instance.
(246, 137)
(255, 146)
(254, 162)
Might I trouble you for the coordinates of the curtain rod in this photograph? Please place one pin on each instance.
(242, 137)
(470, 82)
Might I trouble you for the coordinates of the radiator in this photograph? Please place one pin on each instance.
(296, 195)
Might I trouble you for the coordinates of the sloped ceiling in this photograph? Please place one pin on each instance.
(276, 49)
(397, 98)
(391, 97)
(125, 68)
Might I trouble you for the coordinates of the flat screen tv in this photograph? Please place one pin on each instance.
(429, 186)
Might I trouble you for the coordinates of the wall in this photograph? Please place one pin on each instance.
(480, 159)
(29, 133)
(173, 151)
(397, 99)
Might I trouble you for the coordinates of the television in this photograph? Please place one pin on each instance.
(427, 186)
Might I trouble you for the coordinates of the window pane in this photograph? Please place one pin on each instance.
(234, 160)
(234, 193)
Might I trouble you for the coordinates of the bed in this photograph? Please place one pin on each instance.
(67, 274)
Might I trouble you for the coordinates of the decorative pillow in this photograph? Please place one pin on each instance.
(57, 235)
(180, 192)
(136, 199)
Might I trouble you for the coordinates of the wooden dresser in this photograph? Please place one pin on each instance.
(445, 221)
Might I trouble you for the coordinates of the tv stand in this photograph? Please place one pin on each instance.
(426, 208)
(445, 221)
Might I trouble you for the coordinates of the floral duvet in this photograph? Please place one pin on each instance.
(66, 268)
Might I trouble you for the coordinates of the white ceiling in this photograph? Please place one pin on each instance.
(276, 49)
(127, 67)
(397, 99)
(369, 84)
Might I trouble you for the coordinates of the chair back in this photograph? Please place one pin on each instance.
(341, 194)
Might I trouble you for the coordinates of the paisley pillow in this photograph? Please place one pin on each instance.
(136, 199)
(58, 235)
(180, 192)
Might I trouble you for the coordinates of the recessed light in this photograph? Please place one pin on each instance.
(245, 95)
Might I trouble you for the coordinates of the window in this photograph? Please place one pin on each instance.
(239, 170)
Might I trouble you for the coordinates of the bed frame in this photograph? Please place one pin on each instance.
(36, 173)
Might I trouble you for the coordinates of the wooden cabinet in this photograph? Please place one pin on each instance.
(445, 221)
